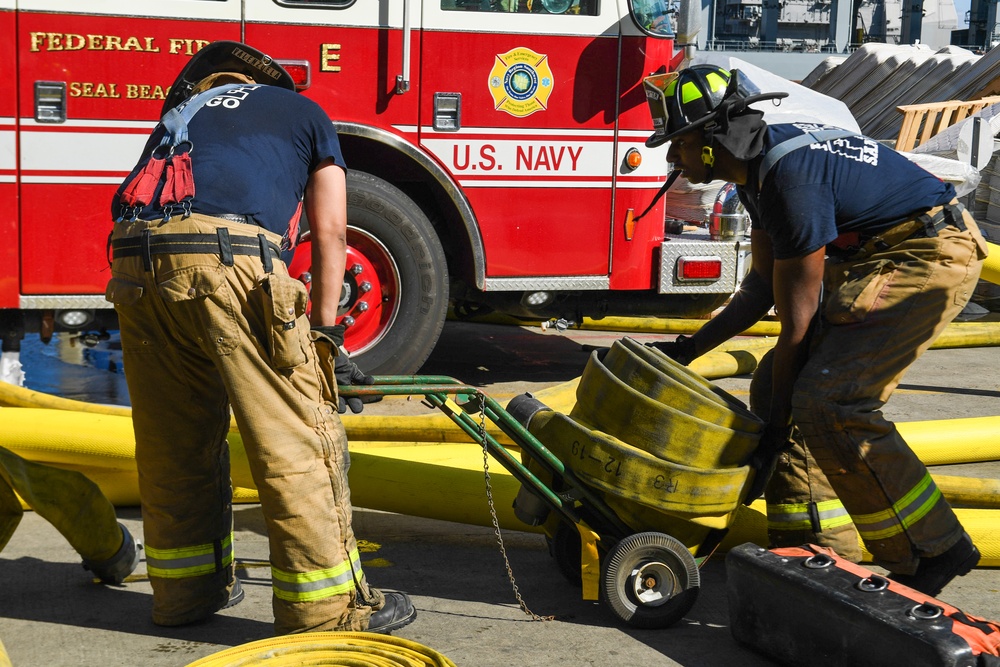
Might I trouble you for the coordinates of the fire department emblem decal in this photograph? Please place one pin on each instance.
(521, 82)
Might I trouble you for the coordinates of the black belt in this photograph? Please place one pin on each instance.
(232, 217)
(229, 217)
(221, 243)
(854, 245)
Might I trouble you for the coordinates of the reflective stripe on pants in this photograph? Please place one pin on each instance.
(318, 584)
(192, 561)
(807, 516)
(914, 505)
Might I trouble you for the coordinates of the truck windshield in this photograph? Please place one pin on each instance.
(653, 16)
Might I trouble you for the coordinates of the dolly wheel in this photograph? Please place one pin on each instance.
(565, 548)
(649, 580)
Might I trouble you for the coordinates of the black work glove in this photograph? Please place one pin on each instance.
(773, 441)
(681, 349)
(346, 371)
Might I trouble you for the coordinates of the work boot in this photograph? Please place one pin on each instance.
(236, 595)
(394, 614)
(934, 573)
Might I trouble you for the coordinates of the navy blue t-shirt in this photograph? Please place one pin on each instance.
(813, 194)
(253, 148)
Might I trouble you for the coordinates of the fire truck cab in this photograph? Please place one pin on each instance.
(495, 150)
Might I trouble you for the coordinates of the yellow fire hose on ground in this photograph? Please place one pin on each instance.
(991, 267)
(737, 357)
(355, 649)
(97, 441)
(655, 325)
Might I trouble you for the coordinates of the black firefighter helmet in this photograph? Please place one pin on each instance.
(225, 56)
(698, 96)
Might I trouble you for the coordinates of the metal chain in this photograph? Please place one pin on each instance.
(493, 513)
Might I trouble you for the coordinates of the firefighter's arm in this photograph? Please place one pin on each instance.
(749, 304)
(797, 288)
(326, 207)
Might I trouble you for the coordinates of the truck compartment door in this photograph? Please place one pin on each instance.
(518, 103)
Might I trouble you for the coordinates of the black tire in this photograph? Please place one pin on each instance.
(649, 580)
(388, 229)
(565, 549)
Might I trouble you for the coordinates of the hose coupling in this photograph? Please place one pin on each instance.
(525, 406)
(114, 570)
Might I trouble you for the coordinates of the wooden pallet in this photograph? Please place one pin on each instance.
(923, 121)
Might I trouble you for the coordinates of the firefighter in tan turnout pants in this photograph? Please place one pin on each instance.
(210, 319)
(865, 258)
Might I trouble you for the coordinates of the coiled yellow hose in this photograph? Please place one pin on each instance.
(347, 649)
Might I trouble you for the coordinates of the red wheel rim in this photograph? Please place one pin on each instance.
(371, 293)
(369, 298)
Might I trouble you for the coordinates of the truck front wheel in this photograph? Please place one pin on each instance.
(395, 293)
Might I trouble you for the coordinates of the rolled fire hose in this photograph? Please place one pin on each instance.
(665, 418)
(654, 438)
(619, 468)
(354, 649)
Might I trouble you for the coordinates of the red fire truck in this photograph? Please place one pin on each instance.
(495, 150)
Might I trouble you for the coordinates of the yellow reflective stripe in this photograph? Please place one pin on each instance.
(907, 511)
(689, 92)
(795, 516)
(184, 562)
(715, 82)
(671, 87)
(318, 584)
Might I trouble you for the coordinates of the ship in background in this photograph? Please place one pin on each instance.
(792, 37)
